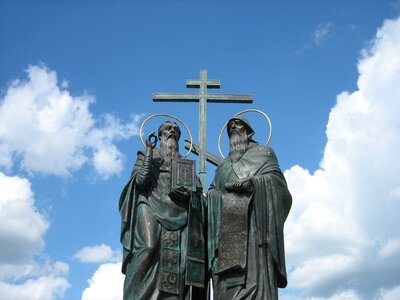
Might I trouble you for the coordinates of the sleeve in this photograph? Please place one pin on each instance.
(272, 202)
(127, 209)
(213, 212)
(144, 166)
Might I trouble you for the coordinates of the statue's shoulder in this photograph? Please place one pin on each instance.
(142, 153)
(265, 150)
(224, 163)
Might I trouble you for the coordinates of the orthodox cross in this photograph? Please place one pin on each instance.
(202, 97)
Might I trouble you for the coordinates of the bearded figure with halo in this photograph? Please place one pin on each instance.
(162, 227)
(248, 203)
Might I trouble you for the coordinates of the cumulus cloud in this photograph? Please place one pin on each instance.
(98, 254)
(43, 288)
(22, 228)
(105, 284)
(342, 235)
(50, 131)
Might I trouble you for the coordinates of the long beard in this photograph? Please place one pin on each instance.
(237, 146)
(169, 150)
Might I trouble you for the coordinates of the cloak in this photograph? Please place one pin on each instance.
(270, 202)
(170, 214)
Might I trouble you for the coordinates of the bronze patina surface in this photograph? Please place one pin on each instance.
(203, 97)
(163, 225)
(248, 203)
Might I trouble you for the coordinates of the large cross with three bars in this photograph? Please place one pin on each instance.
(202, 97)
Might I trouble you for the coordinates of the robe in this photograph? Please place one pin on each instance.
(163, 240)
(258, 265)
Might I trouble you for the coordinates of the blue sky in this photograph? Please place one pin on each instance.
(77, 78)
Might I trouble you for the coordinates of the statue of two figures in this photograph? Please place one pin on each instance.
(175, 236)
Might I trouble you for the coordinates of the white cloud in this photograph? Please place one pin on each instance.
(392, 294)
(390, 248)
(108, 161)
(105, 284)
(343, 232)
(35, 267)
(43, 288)
(22, 228)
(342, 295)
(321, 32)
(51, 131)
(98, 254)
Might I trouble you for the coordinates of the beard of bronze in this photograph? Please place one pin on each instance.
(169, 148)
(237, 145)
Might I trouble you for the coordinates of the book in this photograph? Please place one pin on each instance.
(184, 174)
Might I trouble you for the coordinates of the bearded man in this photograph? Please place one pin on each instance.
(162, 228)
(248, 203)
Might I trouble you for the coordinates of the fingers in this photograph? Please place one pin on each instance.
(242, 185)
(238, 183)
(181, 190)
(180, 194)
(151, 140)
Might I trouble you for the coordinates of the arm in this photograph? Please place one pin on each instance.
(245, 185)
(144, 172)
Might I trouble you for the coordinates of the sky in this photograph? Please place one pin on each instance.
(76, 82)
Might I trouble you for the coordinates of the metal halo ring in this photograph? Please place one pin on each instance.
(242, 112)
(170, 116)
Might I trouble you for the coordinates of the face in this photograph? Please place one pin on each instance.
(170, 130)
(236, 126)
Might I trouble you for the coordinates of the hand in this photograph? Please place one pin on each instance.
(240, 186)
(180, 194)
(151, 140)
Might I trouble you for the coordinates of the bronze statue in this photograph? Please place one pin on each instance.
(248, 203)
(163, 227)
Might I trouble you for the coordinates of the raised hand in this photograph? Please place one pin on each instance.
(151, 140)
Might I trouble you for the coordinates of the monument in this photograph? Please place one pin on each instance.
(168, 243)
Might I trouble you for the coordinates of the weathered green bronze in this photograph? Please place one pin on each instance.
(248, 203)
(202, 97)
(165, 234)
(211, 158)
(163, 222)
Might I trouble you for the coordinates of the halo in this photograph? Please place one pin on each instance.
(170, 116)
(240, 113)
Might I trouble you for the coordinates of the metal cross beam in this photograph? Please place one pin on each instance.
(211, 158)
(202, 97)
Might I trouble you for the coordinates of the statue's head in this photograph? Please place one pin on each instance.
(169, 134)
(240, 133)
(239, 125)
(169, 130)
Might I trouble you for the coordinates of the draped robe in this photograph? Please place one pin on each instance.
(163, 240)
(263, 269)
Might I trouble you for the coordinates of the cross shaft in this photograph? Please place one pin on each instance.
(202, 97)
